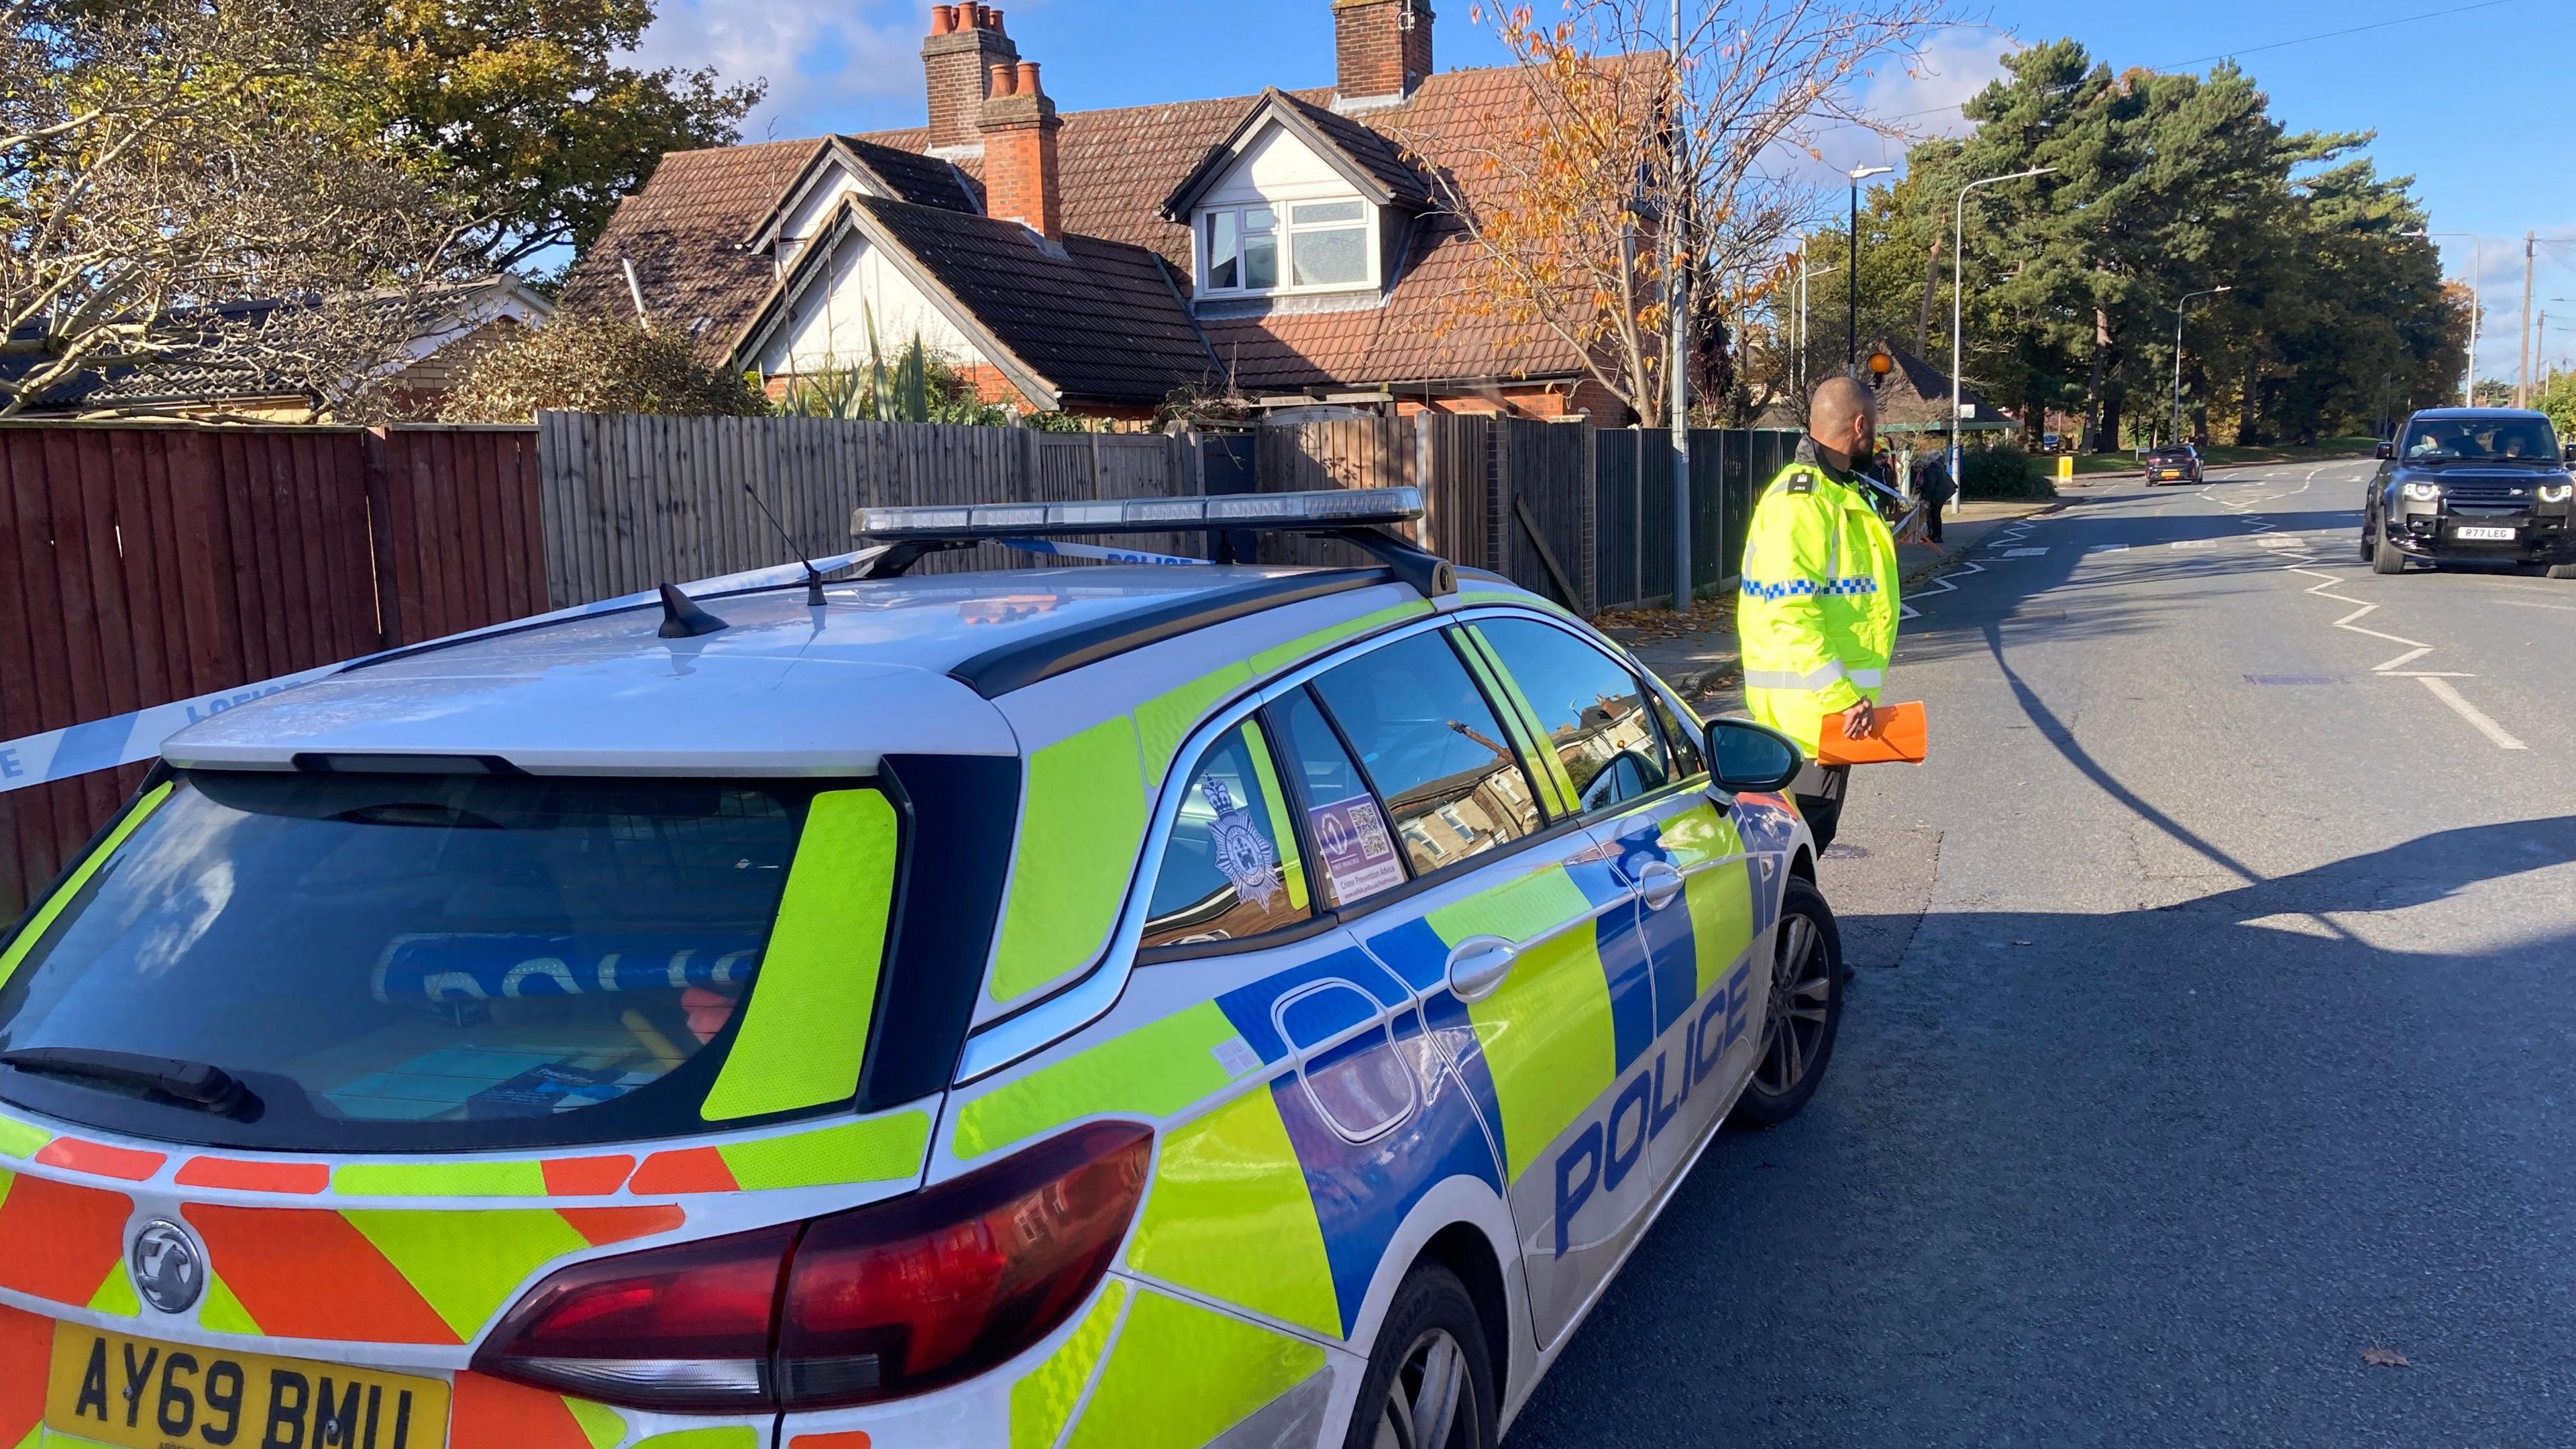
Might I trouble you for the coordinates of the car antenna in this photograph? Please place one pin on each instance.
(682, 618)
(813, 575)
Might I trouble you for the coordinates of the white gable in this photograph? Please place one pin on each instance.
(827, 321)
(1276, 166)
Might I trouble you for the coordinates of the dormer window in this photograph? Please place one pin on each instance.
(1288, 246)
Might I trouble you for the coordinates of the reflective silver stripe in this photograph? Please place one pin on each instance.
(1819, 679)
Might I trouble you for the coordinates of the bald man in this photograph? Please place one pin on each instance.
(1817, 619)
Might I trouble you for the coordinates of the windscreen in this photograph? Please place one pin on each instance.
(414, 961)
(2485, 440)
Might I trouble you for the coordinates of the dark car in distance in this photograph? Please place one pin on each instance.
(2171, 465)
(2482, 485)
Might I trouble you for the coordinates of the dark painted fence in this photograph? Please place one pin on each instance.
(141, 565)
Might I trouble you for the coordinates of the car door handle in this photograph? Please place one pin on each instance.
(1659, 883)
(1478, 966)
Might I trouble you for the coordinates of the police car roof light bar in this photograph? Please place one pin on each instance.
(1358, 516)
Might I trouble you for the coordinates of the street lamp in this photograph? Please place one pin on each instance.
(2477, 305)
(1958, 239)
(1859, 174)
(1806, 276)
(2178, 306)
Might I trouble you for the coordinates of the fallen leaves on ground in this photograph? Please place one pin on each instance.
(2384, 1358)
(1644, 626)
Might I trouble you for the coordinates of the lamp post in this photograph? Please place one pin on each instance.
(2477, 306)
(1805, 277)
(1851, 345)
(1958, 239)
(1677, 325)
(2177, 396)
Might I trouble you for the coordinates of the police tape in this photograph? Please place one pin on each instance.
(1095, 551)
(127, 739)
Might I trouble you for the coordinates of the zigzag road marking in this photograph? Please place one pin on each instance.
(2436, 682)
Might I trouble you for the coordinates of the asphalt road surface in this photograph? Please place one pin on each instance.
(2215, 1024)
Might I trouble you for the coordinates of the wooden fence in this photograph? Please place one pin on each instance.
(144, 564)
(140, 565)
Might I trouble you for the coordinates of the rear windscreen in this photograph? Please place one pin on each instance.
(389, 961)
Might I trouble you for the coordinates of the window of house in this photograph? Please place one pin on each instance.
(1433, 749)
(1591, 707)
(1309, 244)
(1231, 869)
(1328, 243)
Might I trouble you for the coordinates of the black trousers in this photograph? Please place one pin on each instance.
(1932, 518)
(1819, 792)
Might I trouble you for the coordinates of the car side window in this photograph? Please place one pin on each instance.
(1231, 869)
(1432, 748)
(1590, 707)
(1687, 761)
(1355, 852)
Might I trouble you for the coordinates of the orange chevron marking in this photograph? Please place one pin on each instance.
(100, 1160)
(688, 1169)
(26, 1347)
(306, 1273)
(59, 1241)
(587, 1176)
(302, 1178)
(490, 1413)
(603, 1226)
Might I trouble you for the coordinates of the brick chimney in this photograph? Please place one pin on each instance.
(966, 42)
(1019, 126)
(1381, 49)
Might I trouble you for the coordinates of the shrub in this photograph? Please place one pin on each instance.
(2001, 471)
(588, 363)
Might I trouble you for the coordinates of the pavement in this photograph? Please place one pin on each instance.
(2213, 1045)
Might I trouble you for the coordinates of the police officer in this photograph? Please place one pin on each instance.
(1817, 620)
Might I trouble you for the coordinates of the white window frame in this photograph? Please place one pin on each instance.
(1283, 208)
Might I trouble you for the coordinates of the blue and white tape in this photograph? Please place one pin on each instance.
(126, 739)
(1095, 551)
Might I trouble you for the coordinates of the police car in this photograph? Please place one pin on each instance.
(1092, 1006)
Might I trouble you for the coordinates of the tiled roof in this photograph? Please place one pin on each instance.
(684, 234)
(1117, 168)
(915, 177)
(1102, 323)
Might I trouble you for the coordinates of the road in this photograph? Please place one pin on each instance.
(2215, 1023)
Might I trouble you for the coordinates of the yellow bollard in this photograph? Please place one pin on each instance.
(2066, 467)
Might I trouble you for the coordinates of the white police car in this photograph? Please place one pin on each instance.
(1105, 1006)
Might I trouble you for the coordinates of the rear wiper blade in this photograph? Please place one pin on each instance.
(196, 1084)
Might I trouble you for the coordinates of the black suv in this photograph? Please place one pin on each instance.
(2171, 465)
(2474, 485)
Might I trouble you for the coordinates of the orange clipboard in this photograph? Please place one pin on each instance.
(1896, 735)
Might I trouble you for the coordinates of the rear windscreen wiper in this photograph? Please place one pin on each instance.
(194, 1084)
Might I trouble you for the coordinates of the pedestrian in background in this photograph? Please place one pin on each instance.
(1933, 488)
(1817, 620)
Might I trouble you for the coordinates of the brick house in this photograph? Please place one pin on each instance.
(1287, 245)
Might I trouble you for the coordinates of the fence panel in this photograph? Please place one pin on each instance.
(458, 536)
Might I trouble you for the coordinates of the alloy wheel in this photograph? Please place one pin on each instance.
(1427, 1397)
(1801, 987)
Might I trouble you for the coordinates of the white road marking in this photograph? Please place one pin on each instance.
(2409, 657)
(2024, 552)
(2443, 691)
(2194, 543)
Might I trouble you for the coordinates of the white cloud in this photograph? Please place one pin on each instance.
(1920, 97)
(827, 63)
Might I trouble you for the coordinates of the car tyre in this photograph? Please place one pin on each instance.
(2562, 571)
(2384, 556)
(1804, 1014)
(1430, 1382)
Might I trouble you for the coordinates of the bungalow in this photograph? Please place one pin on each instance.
(1285, 246)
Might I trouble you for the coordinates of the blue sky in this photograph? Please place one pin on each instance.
(2475, 105)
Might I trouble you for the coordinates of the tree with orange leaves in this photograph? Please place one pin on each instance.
(1565, 194)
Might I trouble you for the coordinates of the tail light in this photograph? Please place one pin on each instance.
(892, 1299)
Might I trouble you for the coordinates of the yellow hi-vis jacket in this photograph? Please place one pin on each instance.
(1817, 619)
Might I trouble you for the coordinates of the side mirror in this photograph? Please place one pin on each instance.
(2389, 450)
(1746, 756)
(2568, 454)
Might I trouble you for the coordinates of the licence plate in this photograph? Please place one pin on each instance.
(2170, 473)
(2497, 535)
(138, 1394)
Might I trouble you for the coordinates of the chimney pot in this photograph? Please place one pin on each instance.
(1028, 79)
(994, 16)
(943, 19)
(1003, 82)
